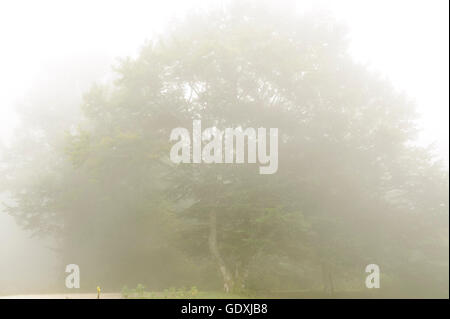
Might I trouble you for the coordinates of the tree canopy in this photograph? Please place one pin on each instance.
(351, 187)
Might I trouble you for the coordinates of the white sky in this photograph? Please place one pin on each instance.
(406, 40)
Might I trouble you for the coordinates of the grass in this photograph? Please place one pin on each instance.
(177, 293)
(193, 293)
(200, 295)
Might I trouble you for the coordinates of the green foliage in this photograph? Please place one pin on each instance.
(125, 292)
(170, 293)
(350, 189)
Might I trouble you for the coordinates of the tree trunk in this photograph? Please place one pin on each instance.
(226, 275)
(327, 278)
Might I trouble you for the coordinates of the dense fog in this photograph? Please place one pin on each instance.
(242, 150)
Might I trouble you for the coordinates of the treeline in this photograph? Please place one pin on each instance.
(351, 188)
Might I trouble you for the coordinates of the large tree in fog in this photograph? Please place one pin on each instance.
(351, 189)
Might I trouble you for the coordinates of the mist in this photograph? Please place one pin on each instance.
(103, 166)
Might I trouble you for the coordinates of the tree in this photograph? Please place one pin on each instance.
(350, 189)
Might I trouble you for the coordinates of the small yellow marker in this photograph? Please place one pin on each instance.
(99, 290)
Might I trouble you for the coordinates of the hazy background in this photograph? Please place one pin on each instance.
(404, 40)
